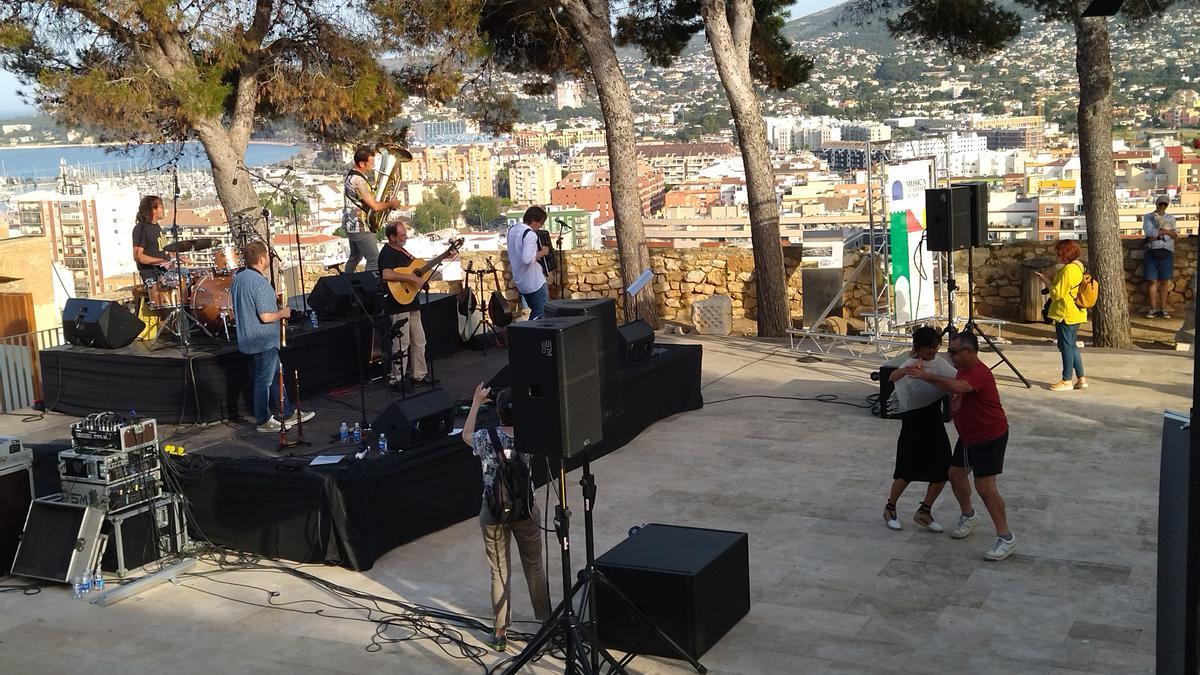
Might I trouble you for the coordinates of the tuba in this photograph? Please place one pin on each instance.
(387, 180)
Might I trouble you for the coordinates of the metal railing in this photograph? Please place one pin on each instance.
(20, 373)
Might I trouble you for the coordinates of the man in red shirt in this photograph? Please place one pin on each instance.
(982, 438)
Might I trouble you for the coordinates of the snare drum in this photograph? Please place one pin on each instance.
(227, 257)
(212, 303)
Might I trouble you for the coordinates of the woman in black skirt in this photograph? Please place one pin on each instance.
(923, 449)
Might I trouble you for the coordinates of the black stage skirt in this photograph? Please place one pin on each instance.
(923, 449)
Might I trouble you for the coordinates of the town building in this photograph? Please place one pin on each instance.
(530, 180)
(591, 191)
(468, 164)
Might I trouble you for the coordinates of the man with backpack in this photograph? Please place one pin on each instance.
(508, 508)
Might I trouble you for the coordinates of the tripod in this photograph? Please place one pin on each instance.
(581, 639)
(485, 327)
(971, 326)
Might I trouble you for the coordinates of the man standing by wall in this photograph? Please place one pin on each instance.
(1159, 269)
(982, 438)
(523, 256)
(360, 201)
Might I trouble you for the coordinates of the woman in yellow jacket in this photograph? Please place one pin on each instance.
(1066, 315)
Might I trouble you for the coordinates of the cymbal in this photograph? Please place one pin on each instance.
(185, 245)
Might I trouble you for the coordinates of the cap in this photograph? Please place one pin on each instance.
(1162, 199)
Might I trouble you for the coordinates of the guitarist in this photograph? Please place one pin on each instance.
(525, 253)
(410, 343)
(257, 312)
(359, 202)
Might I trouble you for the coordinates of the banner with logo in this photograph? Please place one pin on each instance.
(912, 273)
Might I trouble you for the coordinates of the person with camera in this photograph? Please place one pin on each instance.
(508, 512)
(1159, 264)
(256, 308)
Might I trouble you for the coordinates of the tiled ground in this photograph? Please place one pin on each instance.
(833, 590)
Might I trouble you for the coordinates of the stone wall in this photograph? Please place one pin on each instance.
(998, 272)
(683, 276)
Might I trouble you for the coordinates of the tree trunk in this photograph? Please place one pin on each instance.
(235, 189)
(1093, 62)
(731, 51)
(590, 19)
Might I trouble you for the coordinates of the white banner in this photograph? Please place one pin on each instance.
(912, 273)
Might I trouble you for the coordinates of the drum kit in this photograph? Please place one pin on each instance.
(201, 297)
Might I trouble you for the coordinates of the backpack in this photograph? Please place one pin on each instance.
(1088, 291)
(510, 499)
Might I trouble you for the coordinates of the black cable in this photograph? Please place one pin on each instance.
(819, 398)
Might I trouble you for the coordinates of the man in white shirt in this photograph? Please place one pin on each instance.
(523, 256)
(1159, 269)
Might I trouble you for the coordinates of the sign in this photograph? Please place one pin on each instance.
(912, 275)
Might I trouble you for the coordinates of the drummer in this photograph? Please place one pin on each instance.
(147, 238)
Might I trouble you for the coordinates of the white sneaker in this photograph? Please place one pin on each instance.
(1001, 549)
(890, 519)
(272, 425)
(298, 417)
(965, 525)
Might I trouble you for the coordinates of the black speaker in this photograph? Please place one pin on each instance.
(555, 374)
(979, 212)
(333, 296)
(635, 341)
(948, 218)
(16, 493)
(60, 541)
(99, 323)
(693, 583)
(416, 419)
(604, 310)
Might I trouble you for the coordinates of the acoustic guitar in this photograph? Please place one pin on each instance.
(404, 292)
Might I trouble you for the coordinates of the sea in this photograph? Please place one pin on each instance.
(43, 162)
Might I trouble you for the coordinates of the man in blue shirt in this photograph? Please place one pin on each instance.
(257, 314)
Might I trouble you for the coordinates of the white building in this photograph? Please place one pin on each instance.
(568, 94)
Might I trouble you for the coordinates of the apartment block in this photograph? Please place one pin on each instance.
(530, 180)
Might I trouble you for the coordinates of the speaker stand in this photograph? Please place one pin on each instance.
(581, 640)
(971, 326)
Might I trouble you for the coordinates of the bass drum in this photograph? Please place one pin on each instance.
(212, 303)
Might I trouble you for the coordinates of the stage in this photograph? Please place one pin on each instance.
(210, 380)
(245, 494)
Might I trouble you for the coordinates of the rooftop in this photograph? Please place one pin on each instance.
(832, 589)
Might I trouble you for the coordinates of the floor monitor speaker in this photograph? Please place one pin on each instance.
(604, 311)
(693, 583)
(99, 323)
(635, 341)
(416, 419)
(948, 218)
(555, 374)
(333, 296)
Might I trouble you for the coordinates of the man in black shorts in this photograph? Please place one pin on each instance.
(982, 438)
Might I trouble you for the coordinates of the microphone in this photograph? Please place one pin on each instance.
(563, 224)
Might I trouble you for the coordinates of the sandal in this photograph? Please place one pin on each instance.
(890, 518)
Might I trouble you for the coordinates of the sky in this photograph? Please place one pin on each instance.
(10, 104)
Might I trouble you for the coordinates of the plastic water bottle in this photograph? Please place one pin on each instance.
(344, 433)
(98, 581)
(383, 444)
(357, 433)
(85, 583)
(77, 586)
(312, 318)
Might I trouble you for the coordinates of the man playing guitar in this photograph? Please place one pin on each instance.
(257, 312)
(410, 343)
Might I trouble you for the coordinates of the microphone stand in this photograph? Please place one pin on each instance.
(299, 251)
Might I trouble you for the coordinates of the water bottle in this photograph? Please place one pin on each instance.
(383, 444)
(344, 433)
(85, 583)
(357, 433)
(98, 581)
(312, 318)
(77, 586)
